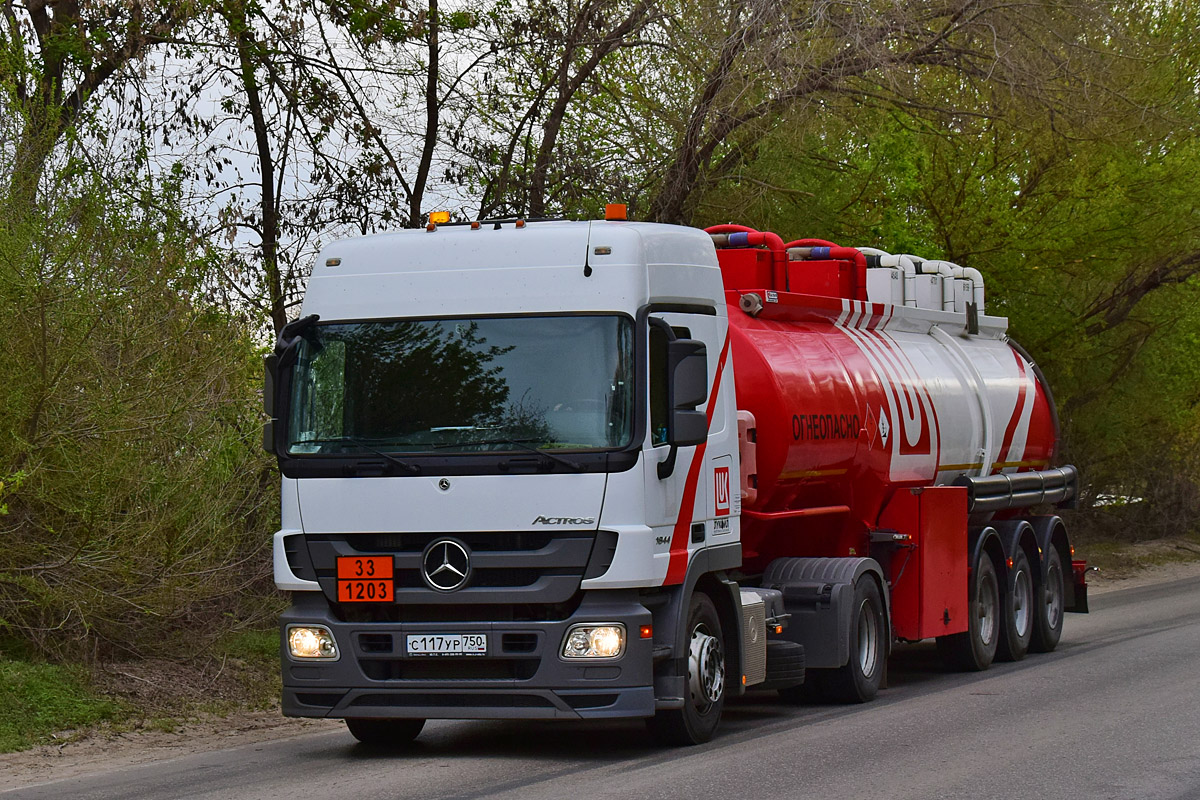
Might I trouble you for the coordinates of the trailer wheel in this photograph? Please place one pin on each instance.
(1048, 617)
(858, 680)
(974, 650)
(1018, 609)
(697, 721)
(385, 732)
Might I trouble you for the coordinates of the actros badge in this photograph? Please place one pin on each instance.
(446, 565)
(540, 520)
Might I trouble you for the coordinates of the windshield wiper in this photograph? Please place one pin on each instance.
(524, 444)
(404, 465)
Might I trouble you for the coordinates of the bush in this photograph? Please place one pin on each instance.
(136, 503)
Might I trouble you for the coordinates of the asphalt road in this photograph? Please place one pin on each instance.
(1113, 713)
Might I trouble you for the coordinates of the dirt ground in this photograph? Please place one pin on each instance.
(102, 750)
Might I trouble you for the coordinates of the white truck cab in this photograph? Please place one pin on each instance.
(507, 453)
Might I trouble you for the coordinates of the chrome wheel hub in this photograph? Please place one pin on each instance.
(706, 668)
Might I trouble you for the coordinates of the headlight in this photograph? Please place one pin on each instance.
(311, 642)
(594, 641)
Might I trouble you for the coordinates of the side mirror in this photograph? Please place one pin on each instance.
(687, 364)
(276, 380)
(270, 369)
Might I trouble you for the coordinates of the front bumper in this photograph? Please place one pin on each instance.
(521, 677)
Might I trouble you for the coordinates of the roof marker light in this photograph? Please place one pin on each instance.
(520, 223)
(439, 217)
(615, 212)
(475, 225)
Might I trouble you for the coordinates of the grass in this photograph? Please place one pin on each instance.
(38, 700)
(1119, 559)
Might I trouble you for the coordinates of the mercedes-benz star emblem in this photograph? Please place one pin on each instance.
(446, 565)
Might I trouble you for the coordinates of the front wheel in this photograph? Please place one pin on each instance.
(704, 698)
(975, 649)
(385, 732)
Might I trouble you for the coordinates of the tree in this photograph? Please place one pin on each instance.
(547, 52)
(57, 57)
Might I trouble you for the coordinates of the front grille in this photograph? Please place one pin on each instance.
(320, 699)
(538, 570)
(478, 542)
(296, 552)
(519, 642)
(427, 700)
(449, 669)
(436, 612)
(375, 642)
(580, 701)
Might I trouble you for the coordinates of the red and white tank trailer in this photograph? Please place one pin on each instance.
(789, 456)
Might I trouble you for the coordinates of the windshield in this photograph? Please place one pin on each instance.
(463, 385)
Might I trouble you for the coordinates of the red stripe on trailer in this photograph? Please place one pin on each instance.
(677, 567)
(1015, 419)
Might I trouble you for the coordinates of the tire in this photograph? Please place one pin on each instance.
(1017, 610)
(385, 732)
(1048, 619)
(974, 650)
(705, 685)
(858, 680)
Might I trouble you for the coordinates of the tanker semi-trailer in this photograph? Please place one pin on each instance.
(608, 469)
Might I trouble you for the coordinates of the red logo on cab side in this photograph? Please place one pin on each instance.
(721, 490)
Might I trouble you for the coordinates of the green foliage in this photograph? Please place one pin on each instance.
(128, 409)
(1085, 225)
(37, 700)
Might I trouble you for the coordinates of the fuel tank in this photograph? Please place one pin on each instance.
(853, 383)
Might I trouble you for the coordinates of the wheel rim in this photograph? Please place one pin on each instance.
(1054, 597)
(706, 669)
(868, 639)
(987, 608)
(1022, 601)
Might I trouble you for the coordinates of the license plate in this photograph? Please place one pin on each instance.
(365, 579)
(447, 644)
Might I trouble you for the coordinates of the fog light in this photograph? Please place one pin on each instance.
(594, 641)
(311, 643)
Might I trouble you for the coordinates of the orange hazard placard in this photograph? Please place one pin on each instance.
(365, 579)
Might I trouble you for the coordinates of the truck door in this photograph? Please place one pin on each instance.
(679, 532)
